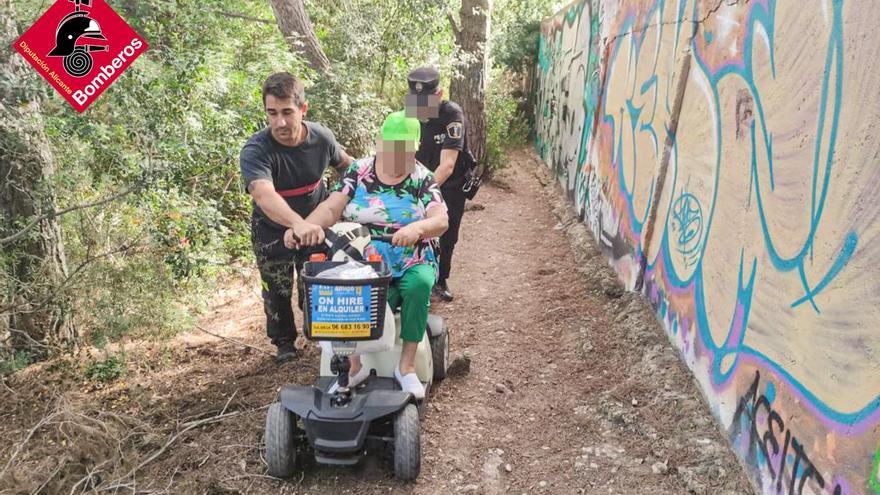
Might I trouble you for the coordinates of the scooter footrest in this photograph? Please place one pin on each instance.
(349, 436)
(339, 460)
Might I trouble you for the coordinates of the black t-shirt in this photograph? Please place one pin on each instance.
(446, 132)
(291, 167)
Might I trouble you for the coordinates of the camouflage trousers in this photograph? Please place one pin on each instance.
(277, 264)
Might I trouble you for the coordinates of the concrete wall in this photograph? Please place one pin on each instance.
(727, 159)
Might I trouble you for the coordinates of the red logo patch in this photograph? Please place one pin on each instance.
(80, 47)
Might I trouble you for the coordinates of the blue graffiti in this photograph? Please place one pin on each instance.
(830, 102)
(687, 214)
(691, 221)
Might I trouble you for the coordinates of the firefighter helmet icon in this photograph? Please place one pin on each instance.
(72, 40)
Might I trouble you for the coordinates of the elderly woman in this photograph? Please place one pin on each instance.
(391, 193)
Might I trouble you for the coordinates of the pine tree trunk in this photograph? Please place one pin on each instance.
(468, 88)
(294, 23)
(33, 265)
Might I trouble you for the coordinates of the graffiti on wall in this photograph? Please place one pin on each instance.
(762, 261)
(568, 86)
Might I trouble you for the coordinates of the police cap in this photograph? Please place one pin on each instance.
(423, 81)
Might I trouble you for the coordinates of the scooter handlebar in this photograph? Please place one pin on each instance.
(384, 238)
(318, 248)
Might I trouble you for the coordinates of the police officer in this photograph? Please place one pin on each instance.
(443, 149)
(282, 167)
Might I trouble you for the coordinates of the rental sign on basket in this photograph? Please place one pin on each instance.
(80, 47)
(341, 311)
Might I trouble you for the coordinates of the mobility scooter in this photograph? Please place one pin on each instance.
(350, 316)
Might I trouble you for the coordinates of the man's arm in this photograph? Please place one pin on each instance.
(274, 207)
(452, 144)
(272, 204)
(447, 165)
(324, 215)
(344, 162)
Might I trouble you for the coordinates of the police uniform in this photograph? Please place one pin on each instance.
(447, 131)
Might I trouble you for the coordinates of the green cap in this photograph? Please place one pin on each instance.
(399, 127)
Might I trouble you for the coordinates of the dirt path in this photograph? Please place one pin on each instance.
(573, 387)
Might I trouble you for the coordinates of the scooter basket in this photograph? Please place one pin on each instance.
(344, 309)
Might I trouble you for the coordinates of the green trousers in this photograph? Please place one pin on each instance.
(412, 294)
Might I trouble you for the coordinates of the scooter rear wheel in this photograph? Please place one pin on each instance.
(440, 354)
(280, 445)
(407, 444)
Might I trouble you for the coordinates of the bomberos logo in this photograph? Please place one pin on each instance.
(80, 47)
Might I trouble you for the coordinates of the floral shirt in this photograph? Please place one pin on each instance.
(384, 209)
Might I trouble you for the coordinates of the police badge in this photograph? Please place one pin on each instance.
(454, 130)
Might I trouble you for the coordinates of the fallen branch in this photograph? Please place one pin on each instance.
(46, 419)
(90, 473)
(49, 479)
(120, 482)
(250, 475)
(264, 351)
(33, 223)
(6, 386)
(228, 401)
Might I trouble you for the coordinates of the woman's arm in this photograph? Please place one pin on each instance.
(434, 225)
(329, 211)
(323, 216)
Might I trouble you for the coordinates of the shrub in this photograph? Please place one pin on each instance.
(15, 362)
(506, 126)
(106, 370)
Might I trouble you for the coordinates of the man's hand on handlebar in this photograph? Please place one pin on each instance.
(407, 236)
(290, 240)
(303, 234)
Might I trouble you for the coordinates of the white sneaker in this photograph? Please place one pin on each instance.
(353, 381)
(410, 383)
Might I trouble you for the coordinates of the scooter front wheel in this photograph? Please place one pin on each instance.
(407, 444)
(280, 441)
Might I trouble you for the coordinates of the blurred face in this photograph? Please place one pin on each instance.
(396, 158)
(424, 107)
(285, 119)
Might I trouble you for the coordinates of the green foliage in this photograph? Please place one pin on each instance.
(352, 113)
(375, 43)
(506, 126)
(135, 299)
(172, 126)
(516, 26)
(106, 370)
(189, 230)
(63, 365)
(15, 362)
(519, 48)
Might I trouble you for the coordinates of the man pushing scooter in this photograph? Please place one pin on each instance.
(283, 168)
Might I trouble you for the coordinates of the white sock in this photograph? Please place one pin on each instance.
(410, 383)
